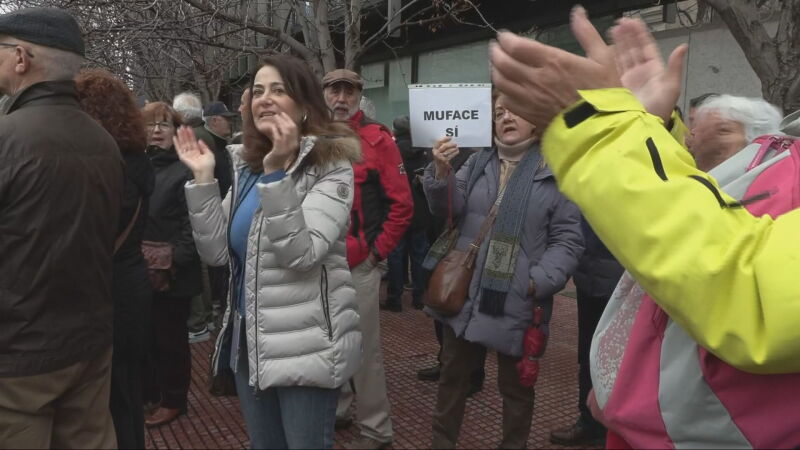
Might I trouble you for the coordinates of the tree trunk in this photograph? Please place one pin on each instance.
(774, 60)
(352, 36)
(327, 57)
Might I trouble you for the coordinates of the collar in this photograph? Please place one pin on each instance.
(205, 125)
(513, 152)
(48, 92)
(356, 118)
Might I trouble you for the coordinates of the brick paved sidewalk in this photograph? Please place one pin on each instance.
(408, 344)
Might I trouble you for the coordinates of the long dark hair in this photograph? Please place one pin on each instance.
(305, 89)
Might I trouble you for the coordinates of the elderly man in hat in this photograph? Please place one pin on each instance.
(382, 210)
(60, 191)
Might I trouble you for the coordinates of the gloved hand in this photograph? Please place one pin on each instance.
(533, 345)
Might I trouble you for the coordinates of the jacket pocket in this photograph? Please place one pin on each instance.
(323, 296)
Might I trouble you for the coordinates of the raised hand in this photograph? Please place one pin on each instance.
(195, 154)
(642, 70)
(540, 81)
(443, 151)
(285, 137)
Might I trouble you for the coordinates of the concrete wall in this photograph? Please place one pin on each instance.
(715, 63)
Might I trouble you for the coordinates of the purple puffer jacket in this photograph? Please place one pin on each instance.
(551, 241)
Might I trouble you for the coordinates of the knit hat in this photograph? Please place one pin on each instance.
(49, 27)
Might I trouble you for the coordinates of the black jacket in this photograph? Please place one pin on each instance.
(131, 287)
(223, 167)
(60, 192)
(168, 221)
(598, 272)
(414, 160)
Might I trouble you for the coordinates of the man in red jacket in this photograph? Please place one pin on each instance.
(382, 210)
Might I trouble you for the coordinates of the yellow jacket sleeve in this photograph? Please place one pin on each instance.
(731, 280)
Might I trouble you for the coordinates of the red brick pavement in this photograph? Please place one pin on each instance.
(408, 344)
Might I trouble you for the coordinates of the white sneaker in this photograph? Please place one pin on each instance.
(199, 336)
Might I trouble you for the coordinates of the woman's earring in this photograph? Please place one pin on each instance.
(305, 116)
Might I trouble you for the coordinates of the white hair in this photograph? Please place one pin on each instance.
(757, 116)
(52, 64)
(188, 104)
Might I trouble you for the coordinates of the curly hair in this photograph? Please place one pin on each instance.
(305, 89)
(106, 98)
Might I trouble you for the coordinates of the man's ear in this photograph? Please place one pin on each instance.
(22, 63)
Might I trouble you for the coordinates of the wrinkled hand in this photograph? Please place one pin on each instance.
(444, 150)
(285, 137)
(540, 81)
(195, 154)
(642, 70)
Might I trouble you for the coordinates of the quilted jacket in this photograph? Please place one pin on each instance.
(301, 317)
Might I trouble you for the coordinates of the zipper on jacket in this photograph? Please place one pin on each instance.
(323, 292)
(234, 205)
(255, 300)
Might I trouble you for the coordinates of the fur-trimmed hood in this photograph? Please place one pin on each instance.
(322, 151)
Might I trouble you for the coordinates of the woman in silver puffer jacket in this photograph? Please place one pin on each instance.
(291, 331)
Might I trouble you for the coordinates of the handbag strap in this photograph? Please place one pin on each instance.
(121, 238)
(449, 200)
(487, 224)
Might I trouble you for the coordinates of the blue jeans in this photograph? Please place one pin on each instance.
(414, 245)
(286, 417)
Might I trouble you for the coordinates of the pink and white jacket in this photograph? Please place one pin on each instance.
(659, 389)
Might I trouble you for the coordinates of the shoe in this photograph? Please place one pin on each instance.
(343, 423)
(150, 407)
(367, 443)
(430, 373)
(578, 435)
(393, 307)
(162, 416)
(474, 389)
(211, 326)
(201, 335)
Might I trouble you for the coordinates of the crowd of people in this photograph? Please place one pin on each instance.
(129, 233)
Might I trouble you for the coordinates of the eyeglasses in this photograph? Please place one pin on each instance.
(501, 112)
(162, 125)
(7, 45)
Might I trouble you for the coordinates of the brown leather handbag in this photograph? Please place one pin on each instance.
(448, 286)
(158, 256)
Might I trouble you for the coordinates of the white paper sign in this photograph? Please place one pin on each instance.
(462, 111)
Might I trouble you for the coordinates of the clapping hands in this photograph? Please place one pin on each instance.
(541, 81)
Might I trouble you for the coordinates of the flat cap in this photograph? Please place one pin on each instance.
(343, 75)
(49, 27)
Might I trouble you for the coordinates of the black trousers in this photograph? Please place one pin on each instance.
(590, 309)
(168, 365)
(126, 400)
